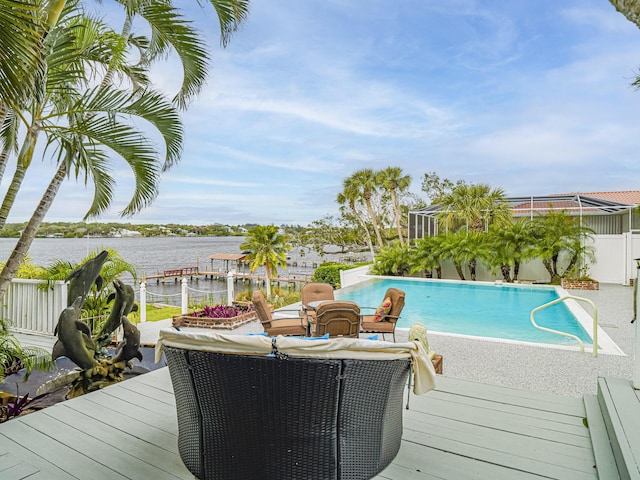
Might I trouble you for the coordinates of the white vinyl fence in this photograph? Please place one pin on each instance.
(32, 309)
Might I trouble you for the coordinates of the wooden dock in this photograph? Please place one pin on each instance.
(194, 273)
(462, 430)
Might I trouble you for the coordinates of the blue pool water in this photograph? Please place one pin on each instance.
(497, 311)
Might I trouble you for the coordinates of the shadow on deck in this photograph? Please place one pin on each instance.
(461, 430)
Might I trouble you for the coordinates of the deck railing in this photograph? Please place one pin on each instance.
(34, 309)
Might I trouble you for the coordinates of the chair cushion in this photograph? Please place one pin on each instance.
(383, 310)
(285, 326)
(369, 325)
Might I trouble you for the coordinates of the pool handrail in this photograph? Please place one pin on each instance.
(562, 299)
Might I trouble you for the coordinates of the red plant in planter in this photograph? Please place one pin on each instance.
(223, 311)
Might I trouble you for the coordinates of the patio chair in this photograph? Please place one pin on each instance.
(285, 408)
(385, 321)
(277, 326)
(337, 318)
(314, 292)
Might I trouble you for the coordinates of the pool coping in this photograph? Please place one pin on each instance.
(605, 344)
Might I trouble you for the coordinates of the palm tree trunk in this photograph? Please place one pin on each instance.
(24, 160)
(366, 230)
(29, 233)
(374, 221)
(516, 270)
(506, 272)
(268, 269)
(472, 269)
(439, 272)
(396, 214)
(459, 270)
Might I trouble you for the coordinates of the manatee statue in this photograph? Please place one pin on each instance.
(82, 279)
(123, 304)
(73, 338)
(129, 348)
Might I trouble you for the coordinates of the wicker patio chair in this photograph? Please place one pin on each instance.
(250, 415)
(297, 325)
(387, 322)
(337, 318)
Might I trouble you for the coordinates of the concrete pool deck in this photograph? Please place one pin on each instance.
(542, 369)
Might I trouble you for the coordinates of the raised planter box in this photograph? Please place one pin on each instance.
(570, 284)
(194, 319)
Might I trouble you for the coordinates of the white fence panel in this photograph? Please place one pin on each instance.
(32, 309)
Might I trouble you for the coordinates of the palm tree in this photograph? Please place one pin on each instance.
(425, 256)
(556, 234)
(365, 182)
(392, 180)
(394, 260)
(474, 206)
(511, 245)
(464, 248)
(268, 248)
(349, 196)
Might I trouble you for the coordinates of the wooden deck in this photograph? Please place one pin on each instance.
(459, 431)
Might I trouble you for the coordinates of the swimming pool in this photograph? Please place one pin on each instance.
(479, 309)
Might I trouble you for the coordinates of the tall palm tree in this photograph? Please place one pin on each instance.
(268, 248)
(348, 197)
(364, 181)
(392, 180)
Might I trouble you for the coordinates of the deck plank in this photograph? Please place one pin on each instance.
(462, 430)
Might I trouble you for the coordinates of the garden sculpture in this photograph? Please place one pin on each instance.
(75, 341)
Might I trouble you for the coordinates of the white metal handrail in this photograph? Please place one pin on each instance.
(550, 330)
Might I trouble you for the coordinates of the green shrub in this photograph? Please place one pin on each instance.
(329, 272)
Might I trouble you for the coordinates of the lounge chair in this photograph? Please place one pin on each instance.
(285, 408)
(381, 322)
(337, 318)
(278, 326)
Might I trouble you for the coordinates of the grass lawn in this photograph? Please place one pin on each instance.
(155, 313)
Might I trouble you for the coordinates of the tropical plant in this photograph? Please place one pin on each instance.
(394, 260)
(14, 357)
(392, 180)
(474, 207)
(267, 248)
(464, 248)
(89, 130)
(329, 272)
(559, 234)
(511, 245)
(425, 256)
(437, 189)
(364, 182)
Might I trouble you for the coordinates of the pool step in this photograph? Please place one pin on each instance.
(602, 450)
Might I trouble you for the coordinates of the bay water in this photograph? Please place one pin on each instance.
(152, 255)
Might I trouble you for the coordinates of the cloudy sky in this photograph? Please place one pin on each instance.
(530, 96)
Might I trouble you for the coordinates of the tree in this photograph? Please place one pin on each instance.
(392, 180)
(436, 189)
(560, 234)
(77, 147)
(348, 197)
(474, 207)
(511, 244)
(14, 357)
(364, 181)
(464, 248)
(268, 249)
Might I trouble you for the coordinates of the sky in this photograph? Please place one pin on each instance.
(532, 97)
